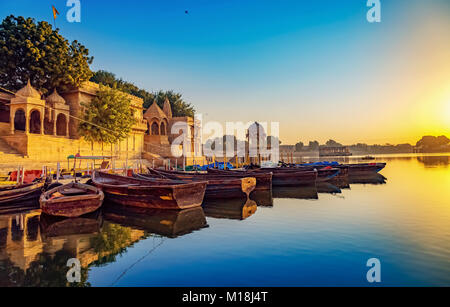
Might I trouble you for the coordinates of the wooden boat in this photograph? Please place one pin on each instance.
(283, 177)
(364, 168)
(368, 158)
(291, 178)
(168, 223)
(134, 192)
(218, 187)
(22, 193)
(263, 180)
(71, 200)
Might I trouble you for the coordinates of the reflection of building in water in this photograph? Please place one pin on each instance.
(22, 241)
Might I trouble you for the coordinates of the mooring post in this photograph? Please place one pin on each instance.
(22, 178)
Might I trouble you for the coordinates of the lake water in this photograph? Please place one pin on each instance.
(294, 237)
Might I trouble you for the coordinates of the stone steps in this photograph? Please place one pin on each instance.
(8, 155)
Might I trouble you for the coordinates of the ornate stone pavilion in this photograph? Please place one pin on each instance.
(28, 113)
(161, 133)
(47, 129)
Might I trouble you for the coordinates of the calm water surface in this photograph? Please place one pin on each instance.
(312, 236)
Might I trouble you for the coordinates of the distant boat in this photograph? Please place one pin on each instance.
(334, 151)
(71, 200)
(368, 158)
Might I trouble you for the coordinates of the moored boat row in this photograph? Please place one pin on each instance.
(176, 190)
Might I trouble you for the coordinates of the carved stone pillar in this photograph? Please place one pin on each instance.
(54, 124)
(11, 124)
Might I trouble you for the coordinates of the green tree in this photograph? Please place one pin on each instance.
(299, 146)
(333, 143)
(313, 145)
(108, 118)
(30, 50)
(178, 105)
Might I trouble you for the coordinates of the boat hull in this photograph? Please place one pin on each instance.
(134, 192)
(24, 193)
(71, 206)
(263, 180)
(290, 178)
(219, 187)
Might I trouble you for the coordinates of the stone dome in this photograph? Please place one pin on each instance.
(28, 92)
(55, 98)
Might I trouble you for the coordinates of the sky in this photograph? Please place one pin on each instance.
(319, 68)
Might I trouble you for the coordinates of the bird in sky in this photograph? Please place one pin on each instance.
(186, 12)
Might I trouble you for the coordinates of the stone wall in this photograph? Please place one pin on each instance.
(50, 148)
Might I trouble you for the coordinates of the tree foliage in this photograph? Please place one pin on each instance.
(108, 118)
(30, 50)
(178, 105)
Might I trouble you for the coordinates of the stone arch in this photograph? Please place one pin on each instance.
(61, 125)
(155, 128)
(20, 120)
(35, 122)
(48, 126)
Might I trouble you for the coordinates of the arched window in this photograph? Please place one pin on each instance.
(163, 128)
(19, 120)
(48, 126)
(61, 125)
(35, 122)
(155, 129)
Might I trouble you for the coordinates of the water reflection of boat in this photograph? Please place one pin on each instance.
(262, 198)
(328, 188)
(52, 226)
(234, 209)
(341, 183)
(306, 192)
(367, 179)
(168, 223)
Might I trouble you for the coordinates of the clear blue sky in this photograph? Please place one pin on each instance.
(318, 67)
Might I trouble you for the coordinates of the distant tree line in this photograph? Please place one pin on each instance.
(425, 144)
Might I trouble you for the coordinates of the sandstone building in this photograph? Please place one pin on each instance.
(45, 129)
